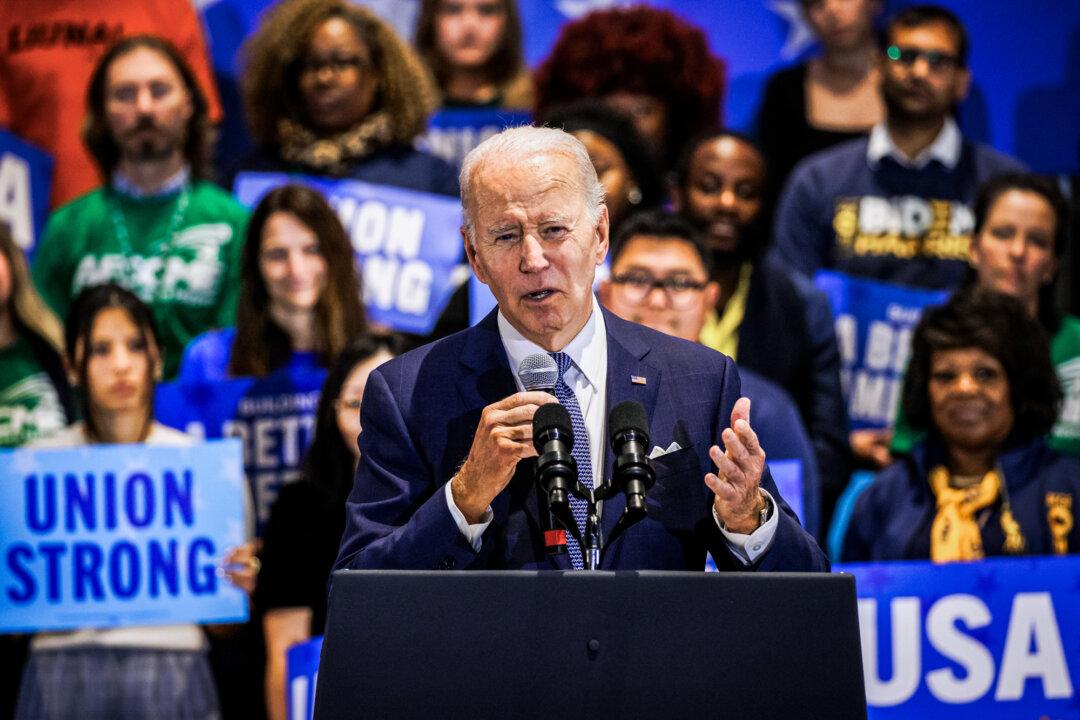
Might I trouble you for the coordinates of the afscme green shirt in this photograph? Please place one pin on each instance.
(180, 253)
(1065, 354)
(30, 407)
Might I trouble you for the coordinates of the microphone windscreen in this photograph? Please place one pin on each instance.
(538, 371)
(627, 415)
(551, 415)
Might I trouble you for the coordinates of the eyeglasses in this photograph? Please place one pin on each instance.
(681, 291)
(935, 59)
(337, 64)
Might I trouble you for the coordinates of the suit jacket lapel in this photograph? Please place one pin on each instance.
(626, 362)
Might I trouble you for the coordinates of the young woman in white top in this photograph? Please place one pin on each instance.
(114, 358)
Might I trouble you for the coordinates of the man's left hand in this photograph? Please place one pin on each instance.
(736, 484)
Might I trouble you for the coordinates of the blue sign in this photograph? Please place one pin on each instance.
(108, 535)
(788, 476)
(302, 674)
(274, 418)
(408, 244)
(452, 133)
(25, 183)
(993, 639)
(874, 325)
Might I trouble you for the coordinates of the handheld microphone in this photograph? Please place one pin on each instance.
(556, 470)
(539, 371)
(633, 471)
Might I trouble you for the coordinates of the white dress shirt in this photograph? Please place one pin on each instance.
(945, 149)
(587, 377)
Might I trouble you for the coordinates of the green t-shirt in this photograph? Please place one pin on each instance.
(179, 253)
(1065, 435)
(30, 407)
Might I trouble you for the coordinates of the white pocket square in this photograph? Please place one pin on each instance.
(657, 451)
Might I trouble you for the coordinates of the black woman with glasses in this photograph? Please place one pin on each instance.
(896, 206)
(331, 90)
(668, 272)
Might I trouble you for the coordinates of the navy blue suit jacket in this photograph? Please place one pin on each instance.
(421, 410)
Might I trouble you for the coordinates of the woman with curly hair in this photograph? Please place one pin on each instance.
(329, 89)
(983, 482)
(645, 62)
(473, 49)
(299, 299)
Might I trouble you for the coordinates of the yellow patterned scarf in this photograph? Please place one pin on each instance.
(955, 535)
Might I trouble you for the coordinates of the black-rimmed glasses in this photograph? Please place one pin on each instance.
(681, 291)
(936, 60)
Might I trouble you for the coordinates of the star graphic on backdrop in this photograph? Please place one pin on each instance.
(800, 36)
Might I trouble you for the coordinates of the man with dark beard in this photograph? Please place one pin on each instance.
(157, 227)
(764, 318)
(896, 206)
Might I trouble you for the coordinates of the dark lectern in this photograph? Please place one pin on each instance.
(558, 645)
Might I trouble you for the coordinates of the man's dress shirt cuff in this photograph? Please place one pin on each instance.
(472, 533)
(748, 548)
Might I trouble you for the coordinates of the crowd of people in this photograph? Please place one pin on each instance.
(150, 269)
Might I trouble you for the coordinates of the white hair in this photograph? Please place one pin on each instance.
(523, 142)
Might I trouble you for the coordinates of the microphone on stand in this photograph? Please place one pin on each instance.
(540, 372)
(633, 471)
(556, 472)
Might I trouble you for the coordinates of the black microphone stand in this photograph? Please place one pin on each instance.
(556, 475)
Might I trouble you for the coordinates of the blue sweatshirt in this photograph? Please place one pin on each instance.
(883, 221)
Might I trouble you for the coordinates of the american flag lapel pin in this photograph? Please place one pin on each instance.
(637, 380)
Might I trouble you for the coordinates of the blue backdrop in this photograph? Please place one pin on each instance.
(1025, 58)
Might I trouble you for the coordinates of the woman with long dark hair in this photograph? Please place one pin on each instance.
(115, 357)
(473, 49)
(828, 99)
(34, 395)
(301, 539)
(299, 297)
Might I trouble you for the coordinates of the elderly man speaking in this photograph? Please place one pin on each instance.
(445, 478)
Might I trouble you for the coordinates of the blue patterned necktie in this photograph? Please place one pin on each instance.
(565, 394)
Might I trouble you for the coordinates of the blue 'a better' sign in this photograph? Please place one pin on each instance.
(274, 418)
(874, 324)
